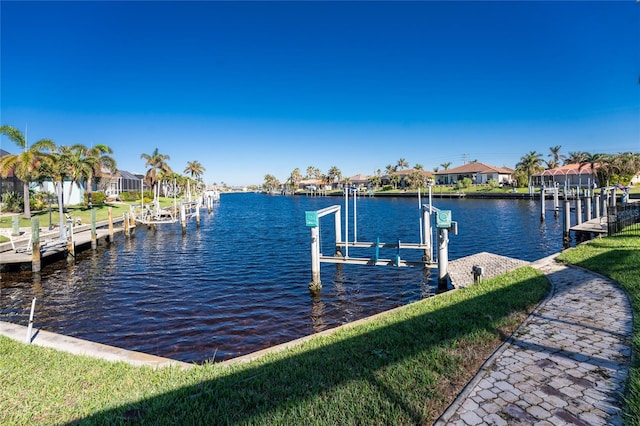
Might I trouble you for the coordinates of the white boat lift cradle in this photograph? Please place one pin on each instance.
(443, 224)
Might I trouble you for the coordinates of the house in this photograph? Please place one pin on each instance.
(404, 176)
(572, 175)
(359, 181)
(479, 173)
(124, 181)
(11, 183)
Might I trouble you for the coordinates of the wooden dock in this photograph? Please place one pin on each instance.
(51, 247)
(596, 226)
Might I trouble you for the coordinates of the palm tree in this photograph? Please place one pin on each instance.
(98, 160)
(390, 169)
(294, 178)
(402, 164)
(530, 163)
(577, 157)
(418, 166)
(270, 183)
(25, 165)
(446, 165)
(334, 174)
(555, 156)
(157, 164)
(195, 169)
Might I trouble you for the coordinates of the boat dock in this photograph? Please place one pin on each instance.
(17, 254)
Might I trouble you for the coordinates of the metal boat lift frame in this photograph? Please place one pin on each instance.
(342, 246)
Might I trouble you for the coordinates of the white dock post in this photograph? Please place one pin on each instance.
(426, 237)
(346, 222)
(355, 222)
(578, 210)
(597, 205)
(315, 283)
(566, 234)
(542, 193)
(338, 231)
(443, 257)
(30, 327)
(198, 214)
(556, 202)
(587, 203)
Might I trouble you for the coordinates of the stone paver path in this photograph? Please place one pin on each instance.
(567, 365)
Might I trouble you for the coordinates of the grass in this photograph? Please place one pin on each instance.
(618, 257)
(402, 367)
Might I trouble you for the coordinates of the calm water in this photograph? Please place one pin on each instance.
(239, 283)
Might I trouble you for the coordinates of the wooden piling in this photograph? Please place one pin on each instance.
(94, 234)
(198, 214)
(71, 249)
(36, 263)
(110, 215)
(587, 202)
(597, 205)
(125, 224)
(15, 225)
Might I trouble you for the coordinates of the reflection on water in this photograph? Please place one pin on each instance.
(239, 283)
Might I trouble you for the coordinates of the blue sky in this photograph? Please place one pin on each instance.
(254, 88)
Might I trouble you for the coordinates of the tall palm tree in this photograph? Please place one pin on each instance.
(98, 160)
(157, 164)
(25, 165)
(195, 169)
(294, 178)
(576, 157)
(530, 163)
(334, 174)
(554, 153)
(402, 164)
(446, 165)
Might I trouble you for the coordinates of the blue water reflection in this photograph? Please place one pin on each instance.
(239, 283)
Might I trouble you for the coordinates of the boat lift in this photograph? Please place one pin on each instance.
(443, 224)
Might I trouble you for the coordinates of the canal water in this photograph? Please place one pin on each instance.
(239, 283)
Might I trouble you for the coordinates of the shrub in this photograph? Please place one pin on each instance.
(13, 202)
(387, 188)
(97, 198)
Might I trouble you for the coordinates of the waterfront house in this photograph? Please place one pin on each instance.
(124, 181)
(359, 181)
(571, 175)
(479, 173)
(404, 176)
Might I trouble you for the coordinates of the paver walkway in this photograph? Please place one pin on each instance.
(567, 365)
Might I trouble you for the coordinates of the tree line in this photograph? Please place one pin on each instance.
(45, 161)
(609, 169)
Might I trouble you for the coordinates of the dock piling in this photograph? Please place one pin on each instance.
(36, 261)
(94, 234)
(566, 233)
(110, 214)
(443, 258)
(71, 250)
(183, 219)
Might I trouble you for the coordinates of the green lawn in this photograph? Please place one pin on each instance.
(403, 367)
